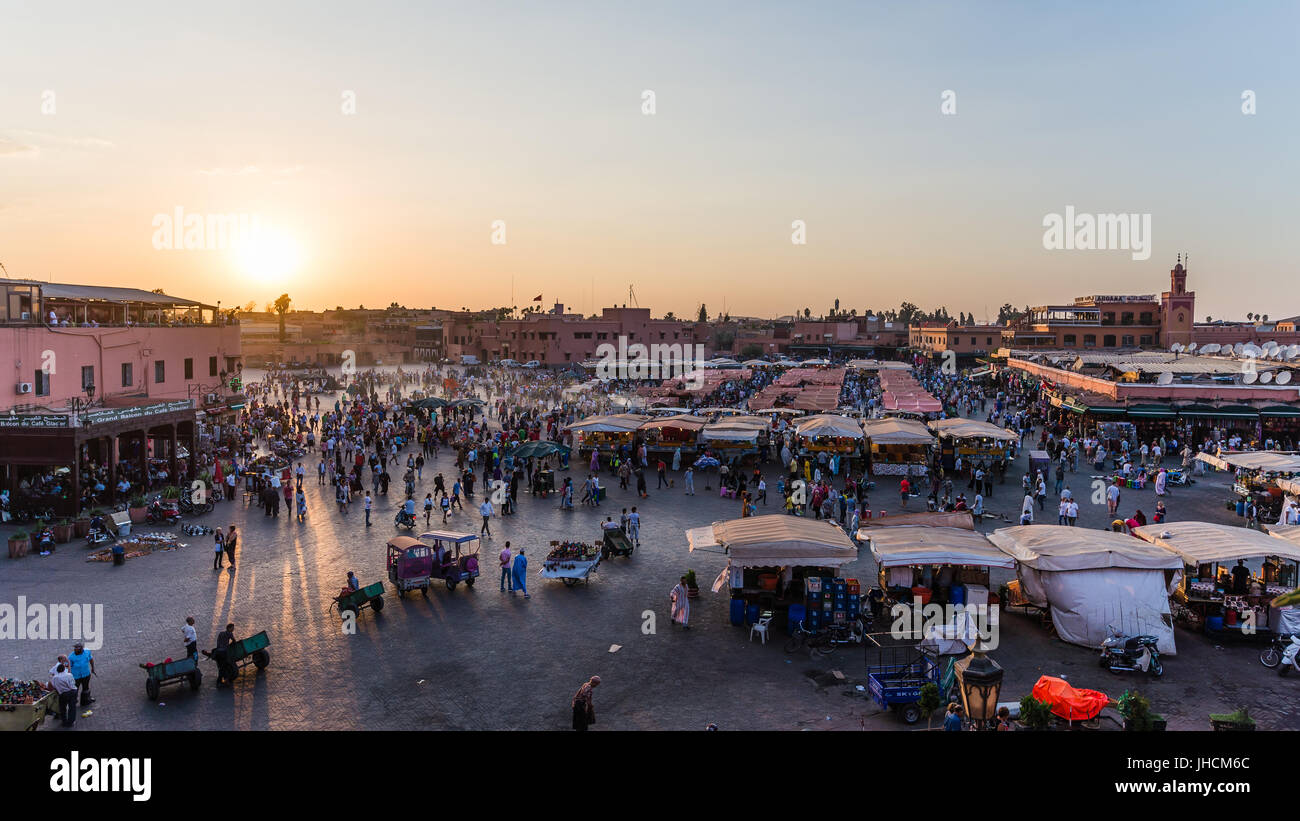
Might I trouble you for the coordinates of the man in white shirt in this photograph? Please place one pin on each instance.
(191, 638)
(1072, 513)
(65, 685)
(485, 510)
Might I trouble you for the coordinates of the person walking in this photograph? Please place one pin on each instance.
(519, 572)
(218, 545)
(681, 605)
(191, 638)
(485, 510)
(505, 557)
(232, 539)
(428, 508)
(82, 666)
(302, 504)
(584, 710)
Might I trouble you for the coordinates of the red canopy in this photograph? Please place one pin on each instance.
(1070, 703)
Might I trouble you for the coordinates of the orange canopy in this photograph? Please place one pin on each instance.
(1070, 703)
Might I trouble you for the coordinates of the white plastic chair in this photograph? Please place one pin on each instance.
(760, 627)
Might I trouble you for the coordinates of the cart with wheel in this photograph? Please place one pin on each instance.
(571, 562)
(17, 712)
(896, 675)
(252, 650)
(410, 565)
(455, 556)
(615, 543)
(354, 601)
(171, 672)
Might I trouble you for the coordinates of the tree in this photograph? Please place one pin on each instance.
(837, 307)
(1006, 313)
(282, 307)
(807, 313)
(1209, 318)
(670, 316)
(907, 313)
(250, 306)
(704, 314)
(1266, 317)
(157, 291)
(751, 351)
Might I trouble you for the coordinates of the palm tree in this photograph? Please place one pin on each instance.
(282, 307)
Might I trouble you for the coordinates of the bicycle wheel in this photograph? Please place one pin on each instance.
(1270, 657)
(795, 641)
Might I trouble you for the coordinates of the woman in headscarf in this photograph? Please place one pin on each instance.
(1027, 510)
(584, 711)
(677, 459)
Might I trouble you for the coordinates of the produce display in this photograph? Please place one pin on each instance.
(564, 554)
(139, 544)
(14, 691)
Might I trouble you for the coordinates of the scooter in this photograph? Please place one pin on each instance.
(97, 533)
(1121, 653)
(1290, 658)
(404, 519)
(1270, 656)
(159, 513)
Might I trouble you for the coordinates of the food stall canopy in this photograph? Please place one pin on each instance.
(828, 424)
(777, 540)
(917, 544)
(897, 432)
(683, 421)
(952, 518)
(617, 423)
(1290, 533)
(1266, 460)
(1291, 486)
(1058, 547)
(1209, 543)
(971, 429)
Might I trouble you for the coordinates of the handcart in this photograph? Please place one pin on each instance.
(170, 672)
(371, 596)
(28, 716)
(571, 562)
(615, 543)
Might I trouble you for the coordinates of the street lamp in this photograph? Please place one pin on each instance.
(980, 679)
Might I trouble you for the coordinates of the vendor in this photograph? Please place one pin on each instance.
(1241, 578)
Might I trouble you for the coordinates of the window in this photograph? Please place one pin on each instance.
(1128, 341)
(1127, 319)
(189, 369)
(1069, 340)
(42, 382)
(212, 366)
(128, 378)
(87, 376)
(974, 341)
(1108, 341)
(1146, 317)
(1147, 340)
(1108, 318)
(988, 340)
(1089, 340)
(159, 371)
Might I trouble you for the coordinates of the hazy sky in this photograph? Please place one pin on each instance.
(764, 114)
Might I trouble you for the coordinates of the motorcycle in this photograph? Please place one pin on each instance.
(187, 506)
(1290, 657)
(404, 519)
(1270, 656)
(1121, 653)
(98, 533)
(160, 514)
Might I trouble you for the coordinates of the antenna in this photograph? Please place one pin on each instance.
(631, 295)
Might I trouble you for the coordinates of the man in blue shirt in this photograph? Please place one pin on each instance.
(82, 667)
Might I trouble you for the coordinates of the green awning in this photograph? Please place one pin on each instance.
(1152, 411)
(1226, 412)
(1107, 411)
(1279, 410)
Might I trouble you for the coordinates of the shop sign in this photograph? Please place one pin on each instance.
(100, 417)
(35, 420)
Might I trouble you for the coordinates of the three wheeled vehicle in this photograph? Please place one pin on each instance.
(455, 556)
(410, 565)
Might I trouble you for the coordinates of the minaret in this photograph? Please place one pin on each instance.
(1177, 306)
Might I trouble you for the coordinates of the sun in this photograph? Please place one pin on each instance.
(270, 255)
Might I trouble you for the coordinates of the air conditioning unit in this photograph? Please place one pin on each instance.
(212, 399)
(24, 387)
(27, 315)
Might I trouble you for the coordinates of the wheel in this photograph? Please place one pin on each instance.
(424, 591)
(451, 585)
(401, 593)
(570, 582)
(377, 604)
(261, 658)
(911, 713)
(469, 582)
(151, 688)
(1157, 669)
(1270, 657)
(793, 644)
(196, 678)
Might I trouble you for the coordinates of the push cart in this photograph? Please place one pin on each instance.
(170, 672)
(371, 596)
(615, 543)
(571, 562)
(243, 652)
(28, 716)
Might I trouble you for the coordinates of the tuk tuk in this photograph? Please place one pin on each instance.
(454, 555)
(410, 564)
(1039, 460)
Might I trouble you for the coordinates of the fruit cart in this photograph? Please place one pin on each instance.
(24, 704)
(571, 562)
(170, 672)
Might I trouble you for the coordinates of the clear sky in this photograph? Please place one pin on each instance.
(765, 113)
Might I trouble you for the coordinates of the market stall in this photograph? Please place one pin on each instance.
(939, 559)
(770, 562)
(972, 440)
(1090, 580)
(664, 435)
(830, 434)
(1259, 477)
(735, 436)
(608, 433)
(898, 447)
(1219, 597)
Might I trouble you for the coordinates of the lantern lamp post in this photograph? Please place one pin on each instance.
(980, 679)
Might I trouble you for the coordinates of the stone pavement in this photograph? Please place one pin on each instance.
(481, 659)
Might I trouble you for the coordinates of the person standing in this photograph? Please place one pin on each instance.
(224, 639)
(690, 481)
(634, 527)
(302, 504)
(232, 539)
(584, 710)
(681, 606)
(952, 721)
(520, 573)
(219, 544)
(191, 638)
(506, 583)
(65, 685)
(82, 666)
(367, 502)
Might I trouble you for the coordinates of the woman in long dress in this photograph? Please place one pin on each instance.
(1161, 478)
(677, 460)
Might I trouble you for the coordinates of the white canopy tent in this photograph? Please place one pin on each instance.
(1209, 543)
(775, 540)
(1093, 579)
(897, 431)
(1269, 461)
(971, 429)
(828, 424)
(617, 423)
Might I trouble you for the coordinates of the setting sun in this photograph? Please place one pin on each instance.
(269, 255)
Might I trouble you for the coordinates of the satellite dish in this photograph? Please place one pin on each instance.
(1283, 378)
(1250, 377)
(1165, 378)
(1270, 346)
(1191, 347)
(1176, 347)
(1265, 377)
(1291, 353)
(1213, 347)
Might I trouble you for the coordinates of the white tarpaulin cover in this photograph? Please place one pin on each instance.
(1291, 486)
(1266, 460)
(1208, 543)
(828, 424)
(971, 429)
(1092, 579)
(618, 423)
(916, 545)
(777, 540)
(895, 431)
